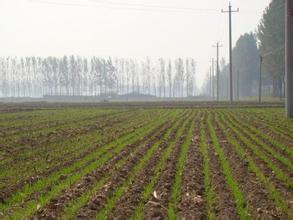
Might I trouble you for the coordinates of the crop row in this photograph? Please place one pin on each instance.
(167, 164)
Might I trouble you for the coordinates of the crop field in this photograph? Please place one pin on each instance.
(146, 163)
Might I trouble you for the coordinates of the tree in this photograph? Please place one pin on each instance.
(64, 78)
(111, 77)
(179, 77)
(193, 72)
(271, 36)
(4, 77)
(85, 77)
(74, 75)
(246, 61)
(162, 85)
(169, 75)
(188, 77)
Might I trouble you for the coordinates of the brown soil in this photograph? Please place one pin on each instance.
(9, 190)
(31, 106)
(39, 125)
(97, 202)
(192, 204)
(275, 148)
(156, 208)
(56, 206)
(280, 186)
(280, 135)
(132, 197)
(43, 140)
(259, 204)
(126, 205)
(271, 157)
(224, 204)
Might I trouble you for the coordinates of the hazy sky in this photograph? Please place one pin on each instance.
(123, 28)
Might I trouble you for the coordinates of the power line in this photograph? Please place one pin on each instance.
(152, 6)
(105, 4)
(124, 6)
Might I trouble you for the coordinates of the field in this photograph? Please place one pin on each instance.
(145, 163)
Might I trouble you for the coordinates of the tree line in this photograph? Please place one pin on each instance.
(267, 42)
(96, 76)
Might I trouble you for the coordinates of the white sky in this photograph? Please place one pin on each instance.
(101, 28)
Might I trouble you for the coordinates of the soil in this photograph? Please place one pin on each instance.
(259, 204)
(97, 202)
(192, 204)
(224, 204)
(133, 196)
(156, 208)
(56, 206)
(9, 190)
(285, 191)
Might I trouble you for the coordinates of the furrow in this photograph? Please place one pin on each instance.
(110, 197)
(157, 206)
(69, 174)
(271, 168)
(143, 185)
(253, 166)
(224, 205)
(277, 151)
(8, 191)
(276, 191)
(73, 194)
(192, 203)
(259, 203)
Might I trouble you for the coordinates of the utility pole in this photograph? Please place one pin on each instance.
(260, 78)
(218, 70)
(230, 49)
(289, 58)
